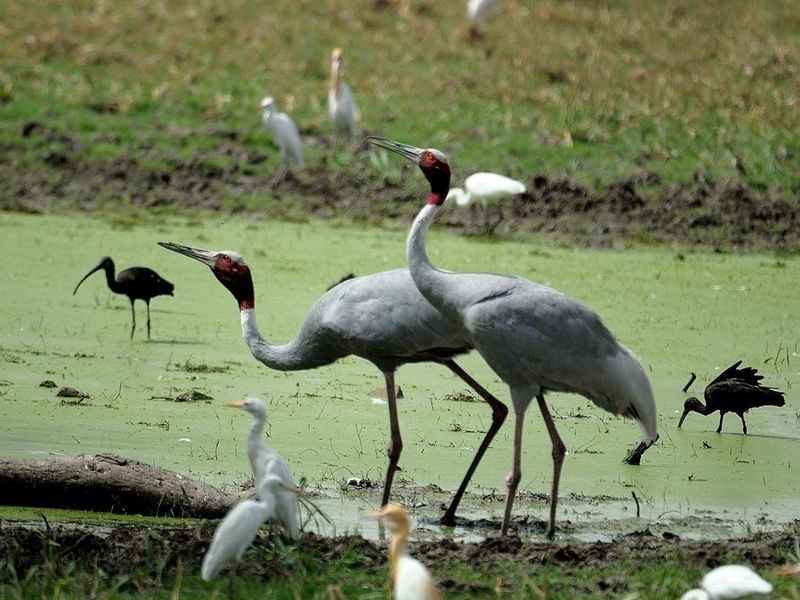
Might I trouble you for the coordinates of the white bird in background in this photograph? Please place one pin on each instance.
(341, 105)
(486, 188)
(239, 528)
(729, 582)
(476, 12)
(266, 462)
(410, 579)
(535, 338)
(284, 133)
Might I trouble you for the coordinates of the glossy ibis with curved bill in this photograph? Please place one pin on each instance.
(137, 283)
(735, 390)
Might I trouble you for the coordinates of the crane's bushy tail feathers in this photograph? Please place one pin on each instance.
(630, 394)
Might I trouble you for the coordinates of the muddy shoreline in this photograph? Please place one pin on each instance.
(720, 215)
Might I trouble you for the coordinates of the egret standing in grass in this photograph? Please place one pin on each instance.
(266, 462)
(284, 133)
(341, 105)
(477, 10)
(535, 338)
(410, 579)
(240, 526)
(486, 188)
(729, 582)
(137, 283)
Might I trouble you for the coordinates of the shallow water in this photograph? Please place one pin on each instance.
(699, 313)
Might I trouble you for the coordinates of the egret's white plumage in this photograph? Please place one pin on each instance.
(341, 104)
(484, 188)
(729, 582)
(266, 463)
(238, 529)
(410, 579)
(285, 134)
(478, 9)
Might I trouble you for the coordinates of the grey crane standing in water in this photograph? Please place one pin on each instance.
(534, 337)
(381, 318)
(137, 283)
(735, 390)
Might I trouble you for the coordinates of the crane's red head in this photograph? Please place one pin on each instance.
(228, 267)
(433, 163)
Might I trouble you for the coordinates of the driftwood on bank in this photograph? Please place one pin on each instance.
(108, 483)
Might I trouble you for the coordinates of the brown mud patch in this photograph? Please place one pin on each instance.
(122, 549)
(718, 214)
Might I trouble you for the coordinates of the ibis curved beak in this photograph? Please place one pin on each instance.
(683, 416)
(85, 277)
(206, 257)
(411, 153)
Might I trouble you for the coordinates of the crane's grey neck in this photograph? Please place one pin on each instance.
(284, 357)
(430, 281)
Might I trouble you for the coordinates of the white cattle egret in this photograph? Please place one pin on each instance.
(535, 338)
(729, 582)
(486, 188)
(410, 579)
(284, 133)
(381, 318)
(341, 105)
(266, 462)
(476, 13)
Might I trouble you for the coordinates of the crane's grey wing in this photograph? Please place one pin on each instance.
(535, 333)
(384, 315)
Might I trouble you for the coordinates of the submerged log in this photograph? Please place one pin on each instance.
(108, 483)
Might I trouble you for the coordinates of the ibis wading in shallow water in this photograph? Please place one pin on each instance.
(534, 337)
(382, 318)
(137, 283)
(735, 390)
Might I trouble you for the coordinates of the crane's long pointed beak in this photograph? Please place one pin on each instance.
(85, 277)
(411, 153)
(204, 256)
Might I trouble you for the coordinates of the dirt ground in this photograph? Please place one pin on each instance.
(722, 215)
(120, 549)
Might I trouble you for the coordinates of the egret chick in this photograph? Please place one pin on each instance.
(729, 582)
(284, 133)
(266, 463)
(486, 188)
(341, 105)
(410, 579)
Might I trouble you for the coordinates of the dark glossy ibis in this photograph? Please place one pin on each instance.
(137, 283)
(735, 390)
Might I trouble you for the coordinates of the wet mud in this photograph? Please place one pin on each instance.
(718, 214)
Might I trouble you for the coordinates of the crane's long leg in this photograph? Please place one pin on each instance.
(396, 443)
(721, 416)
(148, 318)
(744, 425)
(559, 450)
(499, 413)
(512, 481)
(133, 317)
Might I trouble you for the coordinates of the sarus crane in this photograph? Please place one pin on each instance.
(735, 390)
(137, 283)
(381, 317)
(535, 338)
